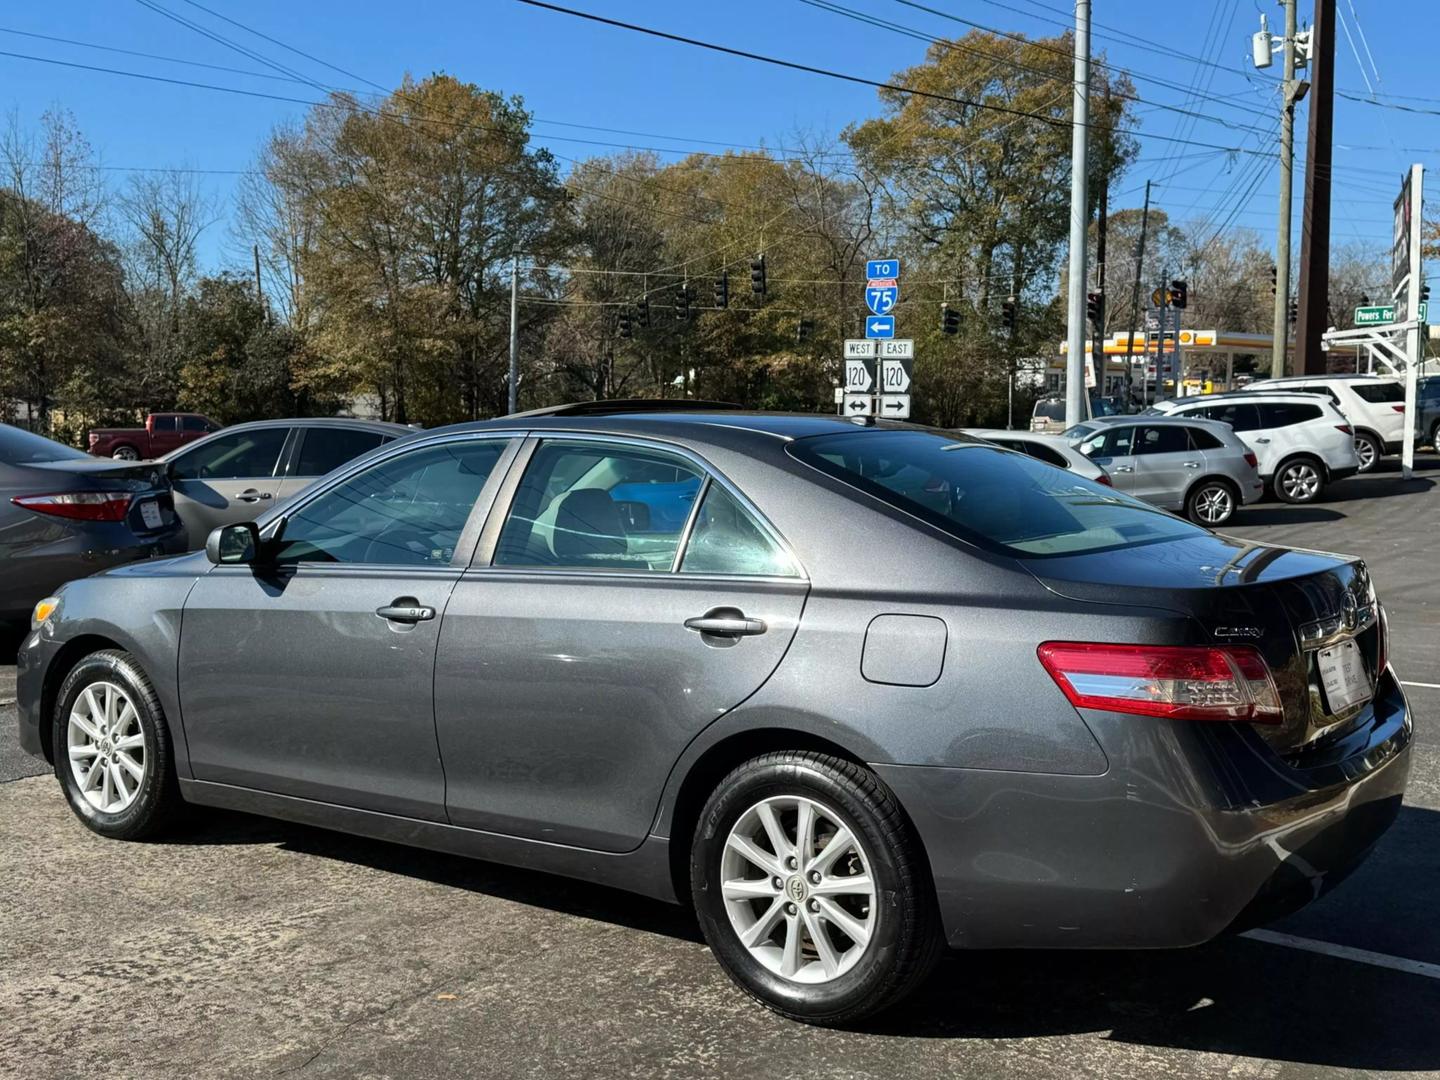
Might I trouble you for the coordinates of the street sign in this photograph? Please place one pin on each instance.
(1381, 314)
(860, 375)
(858, 405)
(881, 294)
(880, 326)
(859, 348)
(882, 268)
(897, 349)
(895, 406)
(895, 376)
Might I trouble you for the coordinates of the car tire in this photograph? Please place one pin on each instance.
(1299, 480)
(1212, 503)
(807, 966)
(113, 754)
(125, 453)
(1369, 450)
(1435, 436)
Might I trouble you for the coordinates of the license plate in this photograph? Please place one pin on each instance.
(1342, 673)
(150, 514)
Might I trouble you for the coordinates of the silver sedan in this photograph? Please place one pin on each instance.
(1051, 449)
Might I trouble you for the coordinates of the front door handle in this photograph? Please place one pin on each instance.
(250, 495)
(1261, 438)
(726, 622)
(1192, 464)
(406, 609)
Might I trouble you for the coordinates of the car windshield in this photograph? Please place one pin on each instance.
(998, 500)
(21, 447)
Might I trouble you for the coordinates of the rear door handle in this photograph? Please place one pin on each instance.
(251, 495)
(726, 622)
(1192, 464)
(1261, 438)
(406, 610)
(1123, 468)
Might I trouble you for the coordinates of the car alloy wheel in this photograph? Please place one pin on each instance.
(106, 745)
(1212, 504)
(797, 887)
(126, 453)
(1299, 482)
(1367, 451)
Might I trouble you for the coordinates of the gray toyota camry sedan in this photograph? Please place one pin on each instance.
(856, 693)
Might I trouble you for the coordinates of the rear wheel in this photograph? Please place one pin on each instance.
(125, 453)
(1368, 450)
(1211, 503)
(1299, 480)
(113, 754)
(1435, 435)
(810, 889)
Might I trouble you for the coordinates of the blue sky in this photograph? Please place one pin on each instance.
(579, 73)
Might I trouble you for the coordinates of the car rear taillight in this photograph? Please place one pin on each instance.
(1398, 408)
(1252, 460)
(1104, 478)
(1345, 428)
(1179, 682)
(150, 425)
(79, 505)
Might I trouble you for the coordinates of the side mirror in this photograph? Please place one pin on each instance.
(233, 544)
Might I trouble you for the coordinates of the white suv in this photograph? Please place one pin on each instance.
(1374, 405)
(1301, 441)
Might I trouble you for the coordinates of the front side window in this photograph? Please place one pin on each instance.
(1001, 501)
(326, 449)
(726, 539)
(407, 510)
(596, 505)
(1109, 442)
(195, 423)
(239, 455)
(165, 422)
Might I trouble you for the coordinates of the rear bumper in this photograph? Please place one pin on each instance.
(1194, 831)
(1341, 474)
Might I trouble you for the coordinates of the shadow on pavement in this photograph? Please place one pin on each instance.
(1281, 514)
(1232, 996)
(10, 638)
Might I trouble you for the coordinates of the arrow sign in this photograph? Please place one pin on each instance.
(881, 295)
(895, 406)
(859, 405)
(860, 375)
(895, 376)
(880, 326)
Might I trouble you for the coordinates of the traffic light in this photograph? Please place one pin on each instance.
(683, 297)
(722, 290)
(642, 312)
(624, 325)
(1424, 292)
(1179, 294)
(1095, 308)
(1294, 312)
(804, 329)
(757, 276)
(949, 319)
(1007, 315)
(1274, 280)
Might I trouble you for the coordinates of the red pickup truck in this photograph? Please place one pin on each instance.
(163, 432)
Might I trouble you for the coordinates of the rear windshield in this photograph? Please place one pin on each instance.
(1390, 393)
(989, 496)
(1049, 410)
(20, 447)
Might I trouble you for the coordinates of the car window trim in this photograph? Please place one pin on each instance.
(272, 530)
(484, 558)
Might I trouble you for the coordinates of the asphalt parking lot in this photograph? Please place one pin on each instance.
(246, 947)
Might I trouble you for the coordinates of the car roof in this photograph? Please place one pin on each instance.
(728, 426)
(1350, 376)
(1304, 396)
(351, 422)
(1156, 418)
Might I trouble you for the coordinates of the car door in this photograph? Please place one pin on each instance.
(320, 449)
(1111, 449)
(602, 627)
(1165, 464)
(227, 478)
(1245, 420)
(311, 673)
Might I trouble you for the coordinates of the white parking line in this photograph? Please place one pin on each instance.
(1345, 952)
(1426, 685)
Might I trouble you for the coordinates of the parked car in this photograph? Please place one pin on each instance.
(64, 515)
(1051, 449)
(849, 718)
(163, 432)
(1301, 441)
(1196, 467)
(1048, 415)
(1373, 405)
(242, 470)
(1427, 427)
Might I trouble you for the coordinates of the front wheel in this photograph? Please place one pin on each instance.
(1367, 450)
(113, 754)
(1299, 481)
(810, 889)
(126, 453)
(1435, 436)
(1211, 503)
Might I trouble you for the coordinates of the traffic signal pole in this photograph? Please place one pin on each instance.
(1075, 398)
(1281, 324)
(1135, 306)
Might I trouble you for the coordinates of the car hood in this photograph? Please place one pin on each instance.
(191, 564)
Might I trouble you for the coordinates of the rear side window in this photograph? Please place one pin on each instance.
(1240, 415)
(1200, 439)
(727, 540)
(1277, 414)
(1040, 452)
(980, 493)
(325, 449)
(1386, 393)
(164, 422)
(1162, 439)
(1316, 389)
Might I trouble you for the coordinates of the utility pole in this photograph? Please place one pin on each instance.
(1075, 398)
(1291, 94)
(1135, 303)
(514, 399)
(1101, 361)
(1314, 294)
